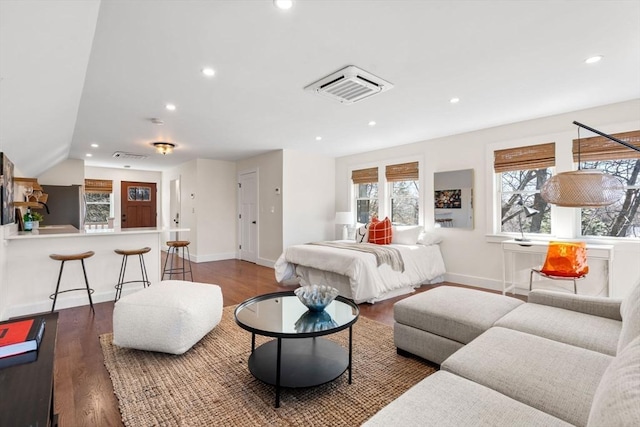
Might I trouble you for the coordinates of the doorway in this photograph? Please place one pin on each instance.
(138, 202)
(248, 218)
(174, 207)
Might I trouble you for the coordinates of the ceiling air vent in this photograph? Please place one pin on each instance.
(124, 155)
(349, 85)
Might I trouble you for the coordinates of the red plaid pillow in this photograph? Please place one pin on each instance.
(380, 231)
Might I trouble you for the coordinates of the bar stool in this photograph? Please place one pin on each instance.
(72, 257)
(174, 247)
(123, 267)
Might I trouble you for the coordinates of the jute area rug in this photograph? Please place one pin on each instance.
(211, 383)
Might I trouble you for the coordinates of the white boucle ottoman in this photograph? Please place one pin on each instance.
(169, 317)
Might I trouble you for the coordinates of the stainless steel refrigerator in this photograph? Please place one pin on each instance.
(66, 205)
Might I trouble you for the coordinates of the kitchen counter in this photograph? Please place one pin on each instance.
(70, 231)
(30, 275)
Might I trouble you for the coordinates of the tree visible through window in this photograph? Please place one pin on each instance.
(98, 200)
(405, 202)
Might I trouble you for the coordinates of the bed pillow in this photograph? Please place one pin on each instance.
(429, 238)
(406, 235)
(380, 233)
(362, 234)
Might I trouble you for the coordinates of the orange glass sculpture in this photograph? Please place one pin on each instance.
(566, 259)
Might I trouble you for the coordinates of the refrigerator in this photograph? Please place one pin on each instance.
(66, 205)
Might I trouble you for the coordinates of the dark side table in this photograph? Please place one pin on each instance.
(27, 389)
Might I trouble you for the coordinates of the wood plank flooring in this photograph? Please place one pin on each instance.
(83, 392)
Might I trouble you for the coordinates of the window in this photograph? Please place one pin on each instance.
(404, 191)
(366, 191)
(521, 172)
(621, 219)
(99, 200)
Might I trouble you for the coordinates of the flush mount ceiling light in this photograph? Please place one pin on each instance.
(164, 147)
(585, 188)
(283, 4)
(593, 59)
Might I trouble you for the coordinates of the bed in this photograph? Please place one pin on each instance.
(360, 275)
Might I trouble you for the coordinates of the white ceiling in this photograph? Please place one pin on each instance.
(75, 73)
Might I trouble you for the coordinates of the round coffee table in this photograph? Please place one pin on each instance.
(298, 357)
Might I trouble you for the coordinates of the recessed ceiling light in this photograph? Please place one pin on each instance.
(209, 72)
(89, 154)
(283, 4)
(95, 145)
(372, 123)
(170, 107)
(318, 138)
(454, 100)
(593, 59)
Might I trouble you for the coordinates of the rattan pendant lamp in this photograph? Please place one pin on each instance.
(584, 188)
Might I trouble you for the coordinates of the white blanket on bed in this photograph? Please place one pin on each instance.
(366, 279)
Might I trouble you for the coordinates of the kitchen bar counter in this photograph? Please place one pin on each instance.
(30, 274)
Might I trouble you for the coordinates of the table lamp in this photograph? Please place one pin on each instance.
(345, 219)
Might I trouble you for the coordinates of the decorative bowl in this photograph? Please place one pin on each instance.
(314, 321)
(316, 297)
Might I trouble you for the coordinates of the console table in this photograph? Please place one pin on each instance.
(27, 389)
(510, 249)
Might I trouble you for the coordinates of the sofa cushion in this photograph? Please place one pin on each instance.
(570, 327)
(456, 313)
(630, 312)
(617, 399)
(447, 400)
(551, 376)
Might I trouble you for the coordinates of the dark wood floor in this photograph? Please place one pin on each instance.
(83, 392)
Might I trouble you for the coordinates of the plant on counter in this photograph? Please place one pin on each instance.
(37, 217)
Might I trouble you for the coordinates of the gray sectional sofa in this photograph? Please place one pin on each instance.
(558, 360)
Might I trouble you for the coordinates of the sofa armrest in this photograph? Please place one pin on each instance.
(597, 306)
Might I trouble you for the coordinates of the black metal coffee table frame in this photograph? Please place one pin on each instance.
(301, 359)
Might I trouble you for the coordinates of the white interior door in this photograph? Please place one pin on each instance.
(248, 216)
(174, 207)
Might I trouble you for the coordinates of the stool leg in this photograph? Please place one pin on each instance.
(55, 295)
(183, 271)
(530, 280)
(575, 288)
(123, 268)
(189, 255)
(164, 270)
(86, 281)
(143, 269)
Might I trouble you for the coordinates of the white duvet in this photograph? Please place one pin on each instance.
(367, 281)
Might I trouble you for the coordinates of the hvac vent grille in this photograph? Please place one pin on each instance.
(349, 85)
(124, 155)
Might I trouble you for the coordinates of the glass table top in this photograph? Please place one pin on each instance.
(281, 314)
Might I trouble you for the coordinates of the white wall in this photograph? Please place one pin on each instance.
(68, 172)
(472, 256)
(308, 200)
(270, 205)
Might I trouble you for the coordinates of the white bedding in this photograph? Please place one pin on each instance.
(366, 281)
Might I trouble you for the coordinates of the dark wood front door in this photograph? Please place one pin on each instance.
(138, 202)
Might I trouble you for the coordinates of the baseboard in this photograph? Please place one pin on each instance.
(480, 282)
(265, 262)
(213, 257)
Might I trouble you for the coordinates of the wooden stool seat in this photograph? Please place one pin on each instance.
(123, 268)
(72, 257)
(132, 251)
(178, 243)
(174, 247)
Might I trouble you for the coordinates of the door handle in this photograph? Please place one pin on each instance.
(253, 222)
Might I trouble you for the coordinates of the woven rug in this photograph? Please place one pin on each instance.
(211, 383)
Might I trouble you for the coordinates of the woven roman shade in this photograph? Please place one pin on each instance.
(402, 172)
(364, 176)
(522, 158)
(601, 148)
(98, 186)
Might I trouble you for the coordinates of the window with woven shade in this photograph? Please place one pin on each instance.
(622, 218)
(520, 174)
(99, 200)
(365, 182)
(404, 191)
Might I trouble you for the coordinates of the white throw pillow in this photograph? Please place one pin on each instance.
(429, 238)
(362, 234)
(406, 235)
